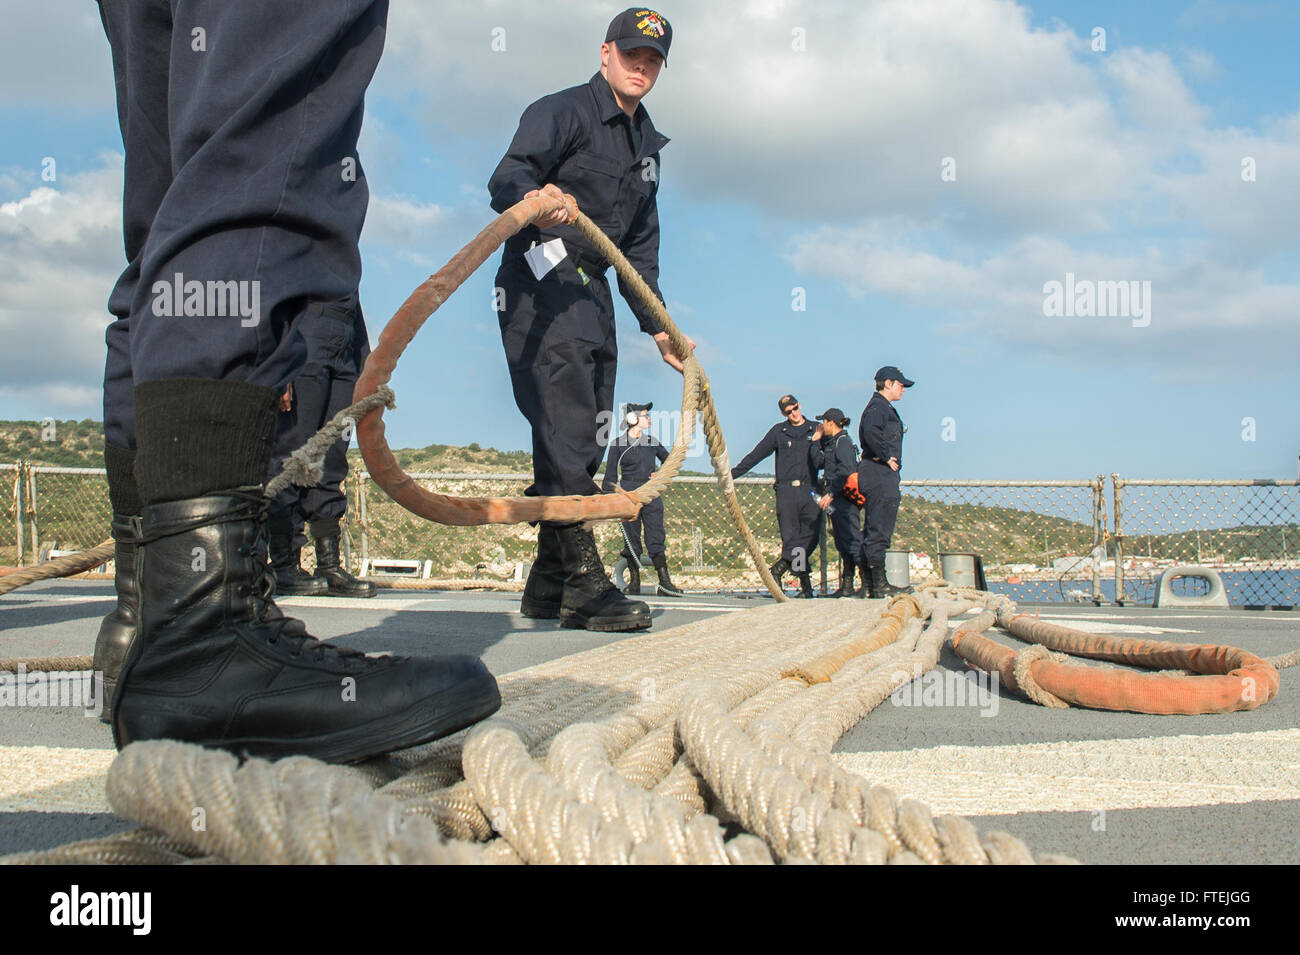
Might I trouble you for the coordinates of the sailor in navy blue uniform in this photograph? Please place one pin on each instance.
(337, 348)
(243, 202)
(794, 442)
(838, 459)
(633, 457)
(881, 433)
(596, 142)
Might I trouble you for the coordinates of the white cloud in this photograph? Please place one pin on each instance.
(1201, 310)
(1153, 93)
(1202, 64)
(396, 220)
(60, 253)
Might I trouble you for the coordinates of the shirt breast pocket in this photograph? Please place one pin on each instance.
(594, 181)
(645, 176)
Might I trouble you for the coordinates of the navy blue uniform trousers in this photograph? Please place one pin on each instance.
(880, 486)
(800, 522)
(336, 346)
(846, 526)
(652, 519)
(240, 122)
(562, 352)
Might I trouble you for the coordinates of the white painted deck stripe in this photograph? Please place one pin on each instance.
(1083, 776)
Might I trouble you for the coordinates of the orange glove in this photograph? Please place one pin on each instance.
(851, 490)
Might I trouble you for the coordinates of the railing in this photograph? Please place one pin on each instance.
(1039, 540)
(1247, 530)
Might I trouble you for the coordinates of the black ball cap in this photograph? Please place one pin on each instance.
(834, 414)
(785, 401)
(890, 373)
(636, 27)
(645, 407)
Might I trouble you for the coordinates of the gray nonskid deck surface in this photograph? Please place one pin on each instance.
(1103, 787)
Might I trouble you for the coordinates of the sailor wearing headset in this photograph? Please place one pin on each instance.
(633, 457)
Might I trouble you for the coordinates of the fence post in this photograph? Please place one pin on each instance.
(1118, 483)
(33, 513)
(1098, 535)
(362, 522)
(20, 480)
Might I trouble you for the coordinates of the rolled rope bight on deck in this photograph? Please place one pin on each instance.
(649, 750)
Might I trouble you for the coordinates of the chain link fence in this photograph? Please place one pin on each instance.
(703, 548)
(1039, 540)
(11, 488)
(51, 508)
(1247, 530)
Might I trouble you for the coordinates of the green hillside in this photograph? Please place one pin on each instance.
(64, 444)
(1006, 526)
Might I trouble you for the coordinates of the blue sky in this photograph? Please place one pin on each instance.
(818, 169)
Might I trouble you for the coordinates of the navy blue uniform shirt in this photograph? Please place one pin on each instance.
(839, 458)
(636, 457)
(580, 140)
(794, 452)
(881, 431)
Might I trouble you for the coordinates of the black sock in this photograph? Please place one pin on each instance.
(123, 493)
(199, 435)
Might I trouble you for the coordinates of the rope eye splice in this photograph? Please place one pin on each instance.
(469, 511)
(1219, 679)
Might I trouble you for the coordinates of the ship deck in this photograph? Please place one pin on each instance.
(1101, 787)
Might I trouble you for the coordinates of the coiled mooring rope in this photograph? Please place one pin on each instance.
(638, 751)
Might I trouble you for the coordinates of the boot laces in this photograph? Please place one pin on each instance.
(592, 566)
(289, 629)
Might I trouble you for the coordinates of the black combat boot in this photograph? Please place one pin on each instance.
(666, 586)
(846, 579)
(545, 586)
(216, 662)
(118, 629)
(330, 569)
(591, 601)
(633, 588)
(290, 579)
(780, 569)
(880, 585)
(805, 586)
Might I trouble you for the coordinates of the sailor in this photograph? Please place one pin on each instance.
(232, 187)
(881, 433)
(596, 142)
(839, 459)
(337, 346)
(798, 516)
(632, 459)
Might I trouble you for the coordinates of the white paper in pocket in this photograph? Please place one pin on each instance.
(542, 258)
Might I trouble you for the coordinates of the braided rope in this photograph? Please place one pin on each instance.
(46, 665)
(306, 466)
(1282, 661)
(65, 566)
(586, 763)
(1025, 682)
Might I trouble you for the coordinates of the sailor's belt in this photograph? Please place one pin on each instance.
(789, 483)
